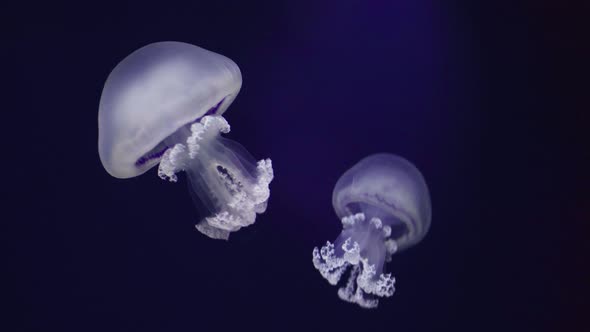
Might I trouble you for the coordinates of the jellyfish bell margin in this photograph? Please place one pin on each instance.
(384, 206)
(163, 104)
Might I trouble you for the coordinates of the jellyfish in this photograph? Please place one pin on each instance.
(384, 206)
(163, 105)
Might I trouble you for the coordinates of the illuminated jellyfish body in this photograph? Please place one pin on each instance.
(384, 206)
(162, 104)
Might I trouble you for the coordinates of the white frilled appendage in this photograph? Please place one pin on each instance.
(365, 283)
(226, 180)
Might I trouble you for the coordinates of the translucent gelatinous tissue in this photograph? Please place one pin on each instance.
(232, 188)
(163, 104)
(384, 206)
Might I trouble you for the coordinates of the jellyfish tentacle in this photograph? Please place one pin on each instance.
(354, 294)
(173, 161)
(330, 266)
(212, 232)
(231, 187)
(364, 281)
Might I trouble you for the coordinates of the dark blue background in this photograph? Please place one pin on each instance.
(482, 97)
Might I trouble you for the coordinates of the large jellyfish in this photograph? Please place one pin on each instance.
(384, 206)
(163, 104)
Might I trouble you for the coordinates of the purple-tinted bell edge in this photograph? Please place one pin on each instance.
(155, 155)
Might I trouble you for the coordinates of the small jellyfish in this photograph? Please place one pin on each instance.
(162, 104)
(384, 206)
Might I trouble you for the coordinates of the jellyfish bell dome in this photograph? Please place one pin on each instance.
(163, 105)
(388, 187)
(384, 206)
(152, 93)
